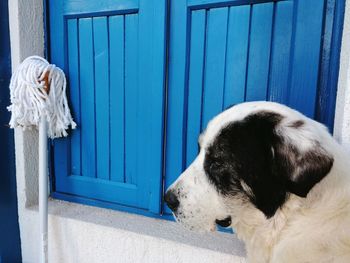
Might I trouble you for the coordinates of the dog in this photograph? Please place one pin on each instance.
(275, 176)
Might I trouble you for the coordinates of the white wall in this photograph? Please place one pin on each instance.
(342, 114)
(27, 38)
(84, 234)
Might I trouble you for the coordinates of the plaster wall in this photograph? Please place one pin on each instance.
(342, 114)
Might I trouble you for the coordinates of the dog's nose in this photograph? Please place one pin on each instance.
(171, 200)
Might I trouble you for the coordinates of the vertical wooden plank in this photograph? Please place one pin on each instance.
(281, 49)
(195, 83)
(237, 52)
(175, 132)
(101, 56)
(88, 124)
(306, 56)
(117, 96)
(157, 110)
(74, 91)
(150, 130)
(131, 98)
(259, 51)
(214, 63)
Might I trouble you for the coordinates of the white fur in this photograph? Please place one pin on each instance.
(311, 229)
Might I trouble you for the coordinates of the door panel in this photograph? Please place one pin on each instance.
(225, 52)
(114, 54)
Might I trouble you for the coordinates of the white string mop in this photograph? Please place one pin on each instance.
(30, 101)
(38, 97)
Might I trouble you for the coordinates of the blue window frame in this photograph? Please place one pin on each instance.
(146, 76)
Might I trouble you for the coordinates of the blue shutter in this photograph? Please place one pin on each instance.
(225, 52)
(220, 52)
(113, 53)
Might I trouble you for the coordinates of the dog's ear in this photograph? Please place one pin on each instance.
(289, 169)
(304, 169)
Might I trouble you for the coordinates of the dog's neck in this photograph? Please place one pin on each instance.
(261, 234)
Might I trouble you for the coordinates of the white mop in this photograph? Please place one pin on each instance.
(38, 99)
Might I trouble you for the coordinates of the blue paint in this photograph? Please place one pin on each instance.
(304, 61)
(114, 62)
(195, 84)
(279, 69)
(102, 90)
(117, 55)
(73, 66)
(259, 51)
(271, 50)
(10, 248)
(329, 65)
(132, 94)
(236, 56)
(88, 103)
(214, 69)
(117, 105)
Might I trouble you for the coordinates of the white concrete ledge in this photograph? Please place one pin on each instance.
(80, 233)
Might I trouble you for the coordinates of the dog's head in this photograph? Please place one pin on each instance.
(253, 155)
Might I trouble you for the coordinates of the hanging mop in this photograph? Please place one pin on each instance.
(38, 99)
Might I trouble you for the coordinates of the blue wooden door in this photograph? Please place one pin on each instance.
(223, 52)
(113, 52)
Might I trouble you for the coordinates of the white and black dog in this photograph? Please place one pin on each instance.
(277, 177)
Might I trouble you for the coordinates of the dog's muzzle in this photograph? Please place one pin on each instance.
(171, 200)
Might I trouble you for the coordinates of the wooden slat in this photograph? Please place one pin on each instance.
(175, 132)
(101, 53)
(281, 49)
(201, 4)
(131, 97)
(74, 91)
(306, 56)
(84, 7)
(195, 83)
(88, 144)
(214, 63)
(259, 51)
(117, 97)
(236, 58)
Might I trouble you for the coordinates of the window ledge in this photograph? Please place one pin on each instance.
(161, 229)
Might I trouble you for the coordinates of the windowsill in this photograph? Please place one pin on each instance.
(157, 228)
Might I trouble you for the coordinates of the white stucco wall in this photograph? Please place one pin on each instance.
(342, 114)
(82, 234)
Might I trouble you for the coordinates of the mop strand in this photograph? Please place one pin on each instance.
(30, 101)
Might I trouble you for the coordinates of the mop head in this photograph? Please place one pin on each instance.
(38, 89)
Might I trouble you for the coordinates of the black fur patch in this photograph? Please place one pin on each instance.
(252, 152)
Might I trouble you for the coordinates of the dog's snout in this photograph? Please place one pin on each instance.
(171, 200)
